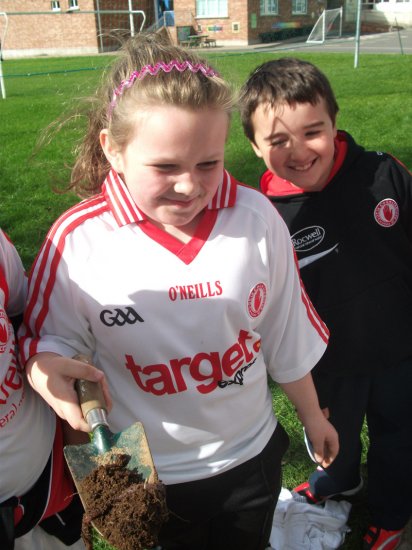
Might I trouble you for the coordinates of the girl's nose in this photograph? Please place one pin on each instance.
(186, 184)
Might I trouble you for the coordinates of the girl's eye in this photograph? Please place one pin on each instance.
(165, 167)
(312, 133)
(207, 165)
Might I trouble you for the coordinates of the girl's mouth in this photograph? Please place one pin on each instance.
(181, 203)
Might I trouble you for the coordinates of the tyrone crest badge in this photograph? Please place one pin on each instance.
(256, 300)
(4, 331)
(387, 213)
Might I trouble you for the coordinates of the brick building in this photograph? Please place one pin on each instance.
(47, 33)
(241, 22)
(72, 27)
(68, 27)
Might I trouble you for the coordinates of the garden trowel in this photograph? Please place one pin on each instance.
(82, 459)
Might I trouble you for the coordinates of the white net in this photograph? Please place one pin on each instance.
(328, 25)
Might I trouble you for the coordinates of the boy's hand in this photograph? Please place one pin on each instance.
(53, 377)
(324, 440)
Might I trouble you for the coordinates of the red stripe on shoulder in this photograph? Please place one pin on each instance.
(313, 315)
(5, 287)
(43, 272)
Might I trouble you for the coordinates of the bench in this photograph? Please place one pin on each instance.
(191, 42)
(209, 42)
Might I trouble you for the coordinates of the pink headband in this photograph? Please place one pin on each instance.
(153, 70)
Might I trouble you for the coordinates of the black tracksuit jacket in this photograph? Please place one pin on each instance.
(355, 237)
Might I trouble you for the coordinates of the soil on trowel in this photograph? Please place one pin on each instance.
(127, 511)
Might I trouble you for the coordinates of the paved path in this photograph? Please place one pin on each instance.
(395, 42)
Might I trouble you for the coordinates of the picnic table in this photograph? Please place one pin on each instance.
(196, 40)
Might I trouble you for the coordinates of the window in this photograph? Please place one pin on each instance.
(299, 7)
(269, 7)
(73, 5)
(211, 8)
(55, 5)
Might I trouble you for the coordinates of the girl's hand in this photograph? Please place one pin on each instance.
(319, 430)
(53, 377)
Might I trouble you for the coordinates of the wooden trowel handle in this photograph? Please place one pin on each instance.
(91, 398)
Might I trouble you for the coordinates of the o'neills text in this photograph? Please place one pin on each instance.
(196, 291)
(207, 368)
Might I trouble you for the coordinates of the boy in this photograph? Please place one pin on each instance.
(349, 214)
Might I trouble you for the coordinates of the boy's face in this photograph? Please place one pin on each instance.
(296, 143)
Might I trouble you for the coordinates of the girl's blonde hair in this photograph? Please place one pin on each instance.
(187, 89)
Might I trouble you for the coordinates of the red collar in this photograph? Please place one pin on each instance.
(126, 211)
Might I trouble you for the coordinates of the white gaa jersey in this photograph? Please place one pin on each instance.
(185, 333)
(27, 424)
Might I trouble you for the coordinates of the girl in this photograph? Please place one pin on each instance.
(181, 283)
(34, 485)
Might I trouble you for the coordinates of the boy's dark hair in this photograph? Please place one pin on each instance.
(285, 80)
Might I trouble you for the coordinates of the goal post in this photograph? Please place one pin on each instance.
(3, 31)
(329, 23)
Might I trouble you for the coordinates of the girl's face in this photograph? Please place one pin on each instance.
(296, 142)
(173, 163)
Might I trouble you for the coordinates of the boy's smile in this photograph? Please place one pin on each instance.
(296, 142)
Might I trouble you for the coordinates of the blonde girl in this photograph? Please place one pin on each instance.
(181, 284)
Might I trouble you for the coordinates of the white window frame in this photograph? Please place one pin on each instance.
(299, 7)
(211, 8)
(269, 7)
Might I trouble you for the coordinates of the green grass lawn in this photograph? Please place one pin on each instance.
(374, 100)
(375, 108)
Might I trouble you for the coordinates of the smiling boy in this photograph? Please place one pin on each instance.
(349, 215)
